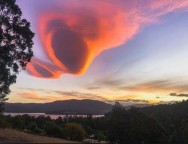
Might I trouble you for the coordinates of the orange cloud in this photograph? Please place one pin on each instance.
(32, 96)
(57, 95)
(35, 97)
(163, 86)
(40, 68)
(73, 34)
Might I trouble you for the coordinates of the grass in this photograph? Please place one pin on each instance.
(13, 136)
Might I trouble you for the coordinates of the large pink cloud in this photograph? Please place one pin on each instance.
(74, 32)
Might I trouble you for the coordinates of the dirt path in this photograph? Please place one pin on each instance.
(13, 136)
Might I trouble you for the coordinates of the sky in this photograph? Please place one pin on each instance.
(132, 51)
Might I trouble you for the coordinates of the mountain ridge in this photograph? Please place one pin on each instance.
(72, 106)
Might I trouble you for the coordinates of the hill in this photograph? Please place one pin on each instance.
(61, 107)
(14, 136)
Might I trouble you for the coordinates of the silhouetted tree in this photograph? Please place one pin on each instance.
(133, 127)
(52, 128)
(74, 131)
(15, 45)
(117, 121)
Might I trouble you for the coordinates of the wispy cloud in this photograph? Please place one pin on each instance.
(134, 100)
(80, 95)
(59, 95)
(178, 95)
(148, 86)
(33, 96)
(157, 85)
(111, 82)
(129, 102)
(93, 88)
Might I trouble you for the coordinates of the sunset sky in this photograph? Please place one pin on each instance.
(132, 51)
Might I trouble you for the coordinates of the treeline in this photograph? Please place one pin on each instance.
(173, 118)
(44, 126)
(161, 124)
(71, 127)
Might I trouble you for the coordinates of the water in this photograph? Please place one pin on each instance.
(52, 116)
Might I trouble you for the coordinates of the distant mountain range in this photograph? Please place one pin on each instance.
(61, 107)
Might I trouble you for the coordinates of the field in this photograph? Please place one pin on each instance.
(13, 136)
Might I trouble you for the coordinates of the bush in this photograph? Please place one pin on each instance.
(74, 131)
(31, 126)
(3, 122)
(18, 122)
(39, 131)
(52, 129)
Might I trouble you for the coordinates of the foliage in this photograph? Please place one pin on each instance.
(100, 136)
(3, 122)
(15, 45)
(133, 127)
(74, 131)
(52, 128)
(18, 122)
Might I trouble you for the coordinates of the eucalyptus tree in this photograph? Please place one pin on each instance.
(16, 41)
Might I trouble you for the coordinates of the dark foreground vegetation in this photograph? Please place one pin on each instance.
(161, 124)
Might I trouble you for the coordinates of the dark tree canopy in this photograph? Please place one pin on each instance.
(15, 45)
(133, 127)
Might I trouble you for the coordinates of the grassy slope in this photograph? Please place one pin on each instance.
(13, 136)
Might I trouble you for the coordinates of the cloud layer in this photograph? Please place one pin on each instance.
(72, 34)
(178, 95)
(52, 95)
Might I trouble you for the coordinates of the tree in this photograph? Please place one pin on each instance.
(74, 131)
(117, 121)
(15, 45)
(52, 129)
(133, 127)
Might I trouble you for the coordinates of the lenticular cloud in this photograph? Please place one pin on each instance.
(73, 33)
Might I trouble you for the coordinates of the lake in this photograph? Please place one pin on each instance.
(52, 116)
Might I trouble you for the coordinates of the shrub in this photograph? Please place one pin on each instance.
(74, 131)
(53, 130)
(3, 122)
